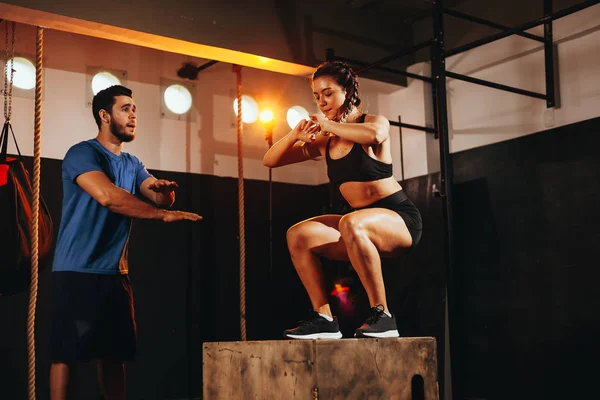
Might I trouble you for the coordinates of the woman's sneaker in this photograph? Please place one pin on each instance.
(316, 327)
(378, 325)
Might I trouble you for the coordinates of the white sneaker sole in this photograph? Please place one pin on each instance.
(323, 335)
(386, 334)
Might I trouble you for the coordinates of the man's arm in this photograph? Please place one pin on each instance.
(120, 201)
(159, 191)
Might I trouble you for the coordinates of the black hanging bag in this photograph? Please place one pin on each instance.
(16, 201)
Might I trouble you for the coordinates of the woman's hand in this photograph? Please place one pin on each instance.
(319, 119)
(306, 131)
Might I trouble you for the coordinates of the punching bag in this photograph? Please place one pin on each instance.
(15, 221)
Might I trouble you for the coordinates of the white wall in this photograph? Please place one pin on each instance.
(205, 144)
(480, 116)
(413, 104)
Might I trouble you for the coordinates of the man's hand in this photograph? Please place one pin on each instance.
(163, 186)
(172, 216)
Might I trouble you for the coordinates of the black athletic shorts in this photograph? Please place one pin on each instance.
(401, 204)
(92, 317)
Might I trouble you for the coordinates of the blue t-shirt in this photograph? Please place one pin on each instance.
(91, 238)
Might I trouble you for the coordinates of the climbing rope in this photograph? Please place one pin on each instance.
(242, 233)
(9, 56)
(37, 154)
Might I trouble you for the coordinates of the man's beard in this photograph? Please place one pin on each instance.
(119, 132)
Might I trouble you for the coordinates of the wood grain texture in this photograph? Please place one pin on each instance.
(338, 369)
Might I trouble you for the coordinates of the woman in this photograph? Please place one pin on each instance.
(385, 222)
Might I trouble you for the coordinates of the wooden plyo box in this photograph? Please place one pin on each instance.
(321, 369)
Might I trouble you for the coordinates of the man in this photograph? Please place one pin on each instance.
(92, 299)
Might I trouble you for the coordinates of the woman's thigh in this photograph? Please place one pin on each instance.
(320, 235)
(385, 228)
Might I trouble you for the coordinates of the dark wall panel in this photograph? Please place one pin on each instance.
(527, 215)
(185, 279)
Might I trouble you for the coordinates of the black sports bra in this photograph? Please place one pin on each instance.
(356, 166)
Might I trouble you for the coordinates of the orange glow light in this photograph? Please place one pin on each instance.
(339, 289)
(266, 116)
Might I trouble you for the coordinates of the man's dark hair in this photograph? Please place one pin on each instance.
(105, 99)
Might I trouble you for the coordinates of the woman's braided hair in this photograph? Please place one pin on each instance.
(346, 78)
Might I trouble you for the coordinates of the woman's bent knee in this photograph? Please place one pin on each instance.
(351, 227)
(297, 237)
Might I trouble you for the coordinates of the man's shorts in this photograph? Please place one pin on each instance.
(92, 317)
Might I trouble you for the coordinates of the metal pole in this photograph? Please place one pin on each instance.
(434, 94)
(415, 127)
(207, 65)
(270, 225)
(491, 24)
(269, 138)
(495, 85)
(401, 146)
(549, 56)
(524, 27)
(439, 74)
